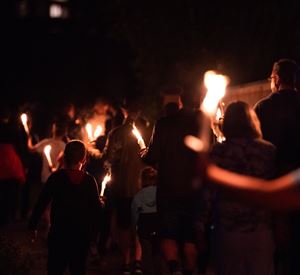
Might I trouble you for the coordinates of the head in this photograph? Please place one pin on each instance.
(240, 121)
(283, 75)
(75, 153)
(59, 128)
(148, 176)
(188, 99)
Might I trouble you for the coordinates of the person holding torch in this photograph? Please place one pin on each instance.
(121, 154)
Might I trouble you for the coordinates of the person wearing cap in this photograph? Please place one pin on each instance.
(279, 115)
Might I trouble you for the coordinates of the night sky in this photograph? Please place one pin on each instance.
(137, 48)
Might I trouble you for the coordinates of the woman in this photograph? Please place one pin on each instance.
(243, 233)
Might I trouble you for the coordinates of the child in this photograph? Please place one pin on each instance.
(144, 214)
(75, 206)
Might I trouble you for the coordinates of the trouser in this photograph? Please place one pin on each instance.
(65, 252)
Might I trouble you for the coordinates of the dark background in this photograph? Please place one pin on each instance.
(115, 48)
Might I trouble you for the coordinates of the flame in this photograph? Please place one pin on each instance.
(216, 86)
(138, 135)
(218, 114)
(106, 179)
(89, 131)
(24, 120)
(98, 131)
(47, 151)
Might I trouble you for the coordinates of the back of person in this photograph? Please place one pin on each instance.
(279, 115)
(175, 160)
(71, 209)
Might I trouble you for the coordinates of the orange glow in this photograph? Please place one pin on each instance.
(24, 120)
(139, 137)
(47, 151)
(98, 132)
(106, 179)
(89, 131)
(216, 86)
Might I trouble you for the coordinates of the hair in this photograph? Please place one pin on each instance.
(240, 121)
(287, 70)
(75, 152)
(148, 176)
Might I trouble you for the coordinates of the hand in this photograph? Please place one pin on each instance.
(143, 152)
(102, 200)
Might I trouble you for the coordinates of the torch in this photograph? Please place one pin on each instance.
(98, 131)
(89, 131)
(106, 179)
(24, 120)
(216, 86)
(47, 151)
(138, 136)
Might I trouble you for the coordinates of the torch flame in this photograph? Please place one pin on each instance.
(138, 135)
(24, 120)
(89, 131)
(218, 114)
(98, 131)
(106, 179)
(47, 151)
(216, 86)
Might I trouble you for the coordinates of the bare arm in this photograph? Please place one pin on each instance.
(234, 180)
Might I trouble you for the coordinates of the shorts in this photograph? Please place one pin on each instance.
(179, 225)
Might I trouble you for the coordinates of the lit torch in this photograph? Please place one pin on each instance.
(24, 120)
(47, 151)
(98, 132)
(106, 179)
(89, 131)
(216, 86)
(138, 136)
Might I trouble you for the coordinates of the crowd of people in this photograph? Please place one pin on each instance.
(232, 210)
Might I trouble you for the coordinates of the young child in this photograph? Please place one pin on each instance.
(75, 207)
(144, 215)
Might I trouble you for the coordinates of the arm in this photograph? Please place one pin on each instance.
(234, 180)
(135, 211)
(152, 154)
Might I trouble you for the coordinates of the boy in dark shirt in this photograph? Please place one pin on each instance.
(75, 206)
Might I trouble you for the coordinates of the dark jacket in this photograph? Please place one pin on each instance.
(279, 115)
(174, 161)
(75, 204)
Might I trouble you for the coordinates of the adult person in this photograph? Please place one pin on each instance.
(75, 207)
(121, 152)
(279, 115)
(176, 199)
(243, 234)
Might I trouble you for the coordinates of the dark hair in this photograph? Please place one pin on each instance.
(286, 69)
(240, 121)
(75, 152)
(148, 176)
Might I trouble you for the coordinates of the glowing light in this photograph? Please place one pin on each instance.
(216, 86)
(89, 131)
(106, 179)
(24, 120)
(218, 114)
(138, 136)
(56, 11)
(47, 151)
(98, 131)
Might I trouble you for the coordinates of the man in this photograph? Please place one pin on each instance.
(176, 200)
(122, 153)
(279, 115)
